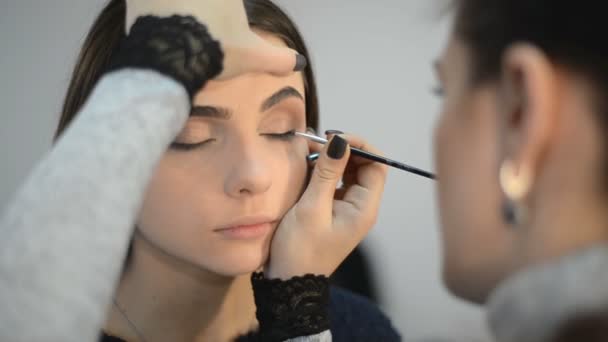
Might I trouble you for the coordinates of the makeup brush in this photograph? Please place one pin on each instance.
(369, 156)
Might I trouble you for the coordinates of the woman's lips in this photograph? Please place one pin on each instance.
(247, 230)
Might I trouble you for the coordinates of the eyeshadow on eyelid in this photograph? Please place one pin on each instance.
(280, 123)
(194, 130)
(291, 116)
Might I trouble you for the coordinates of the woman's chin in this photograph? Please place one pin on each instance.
(237, 263)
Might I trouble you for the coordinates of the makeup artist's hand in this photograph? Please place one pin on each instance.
(226, 20)
(326, 224)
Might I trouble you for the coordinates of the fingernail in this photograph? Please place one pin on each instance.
(313, 157)
(300, 63)
(333, 131)
(337, 147)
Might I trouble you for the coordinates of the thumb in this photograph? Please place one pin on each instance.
(327, 173)
(262, 56)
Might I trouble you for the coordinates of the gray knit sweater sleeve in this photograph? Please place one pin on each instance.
(65, 234)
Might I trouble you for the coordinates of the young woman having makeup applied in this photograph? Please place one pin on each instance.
(159, 199)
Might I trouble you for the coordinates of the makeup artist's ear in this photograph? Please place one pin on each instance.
(527, 102)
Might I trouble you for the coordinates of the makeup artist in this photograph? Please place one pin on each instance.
(521, 154)
(66, 233)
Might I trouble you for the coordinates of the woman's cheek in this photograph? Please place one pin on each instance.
(298, 171)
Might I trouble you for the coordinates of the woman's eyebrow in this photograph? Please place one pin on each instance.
(211, 112)
(279, 96)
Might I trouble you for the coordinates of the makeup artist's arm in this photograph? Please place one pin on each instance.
(316, 235)
(65, 233)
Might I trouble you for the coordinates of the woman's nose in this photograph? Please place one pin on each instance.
(249, 172)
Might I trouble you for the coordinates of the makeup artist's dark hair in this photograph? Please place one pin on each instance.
(570, 33)
(108, 30)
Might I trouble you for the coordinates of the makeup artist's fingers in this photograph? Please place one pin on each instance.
(356, 142)
(363, 185)
(377, 171)
(322, 228)
(353, 170)
(258, 55)
(308, 226)
(325, 176)
(352, 174)
(249, 53)
(314, 147)
(226, 21)
(331, 132)
(349, 178)
(339, 194)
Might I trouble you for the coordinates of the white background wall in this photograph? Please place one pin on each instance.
(373, 62)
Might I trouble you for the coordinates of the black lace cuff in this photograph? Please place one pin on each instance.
(178, 46)
(295, 307)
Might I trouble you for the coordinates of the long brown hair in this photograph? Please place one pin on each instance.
(108, 30)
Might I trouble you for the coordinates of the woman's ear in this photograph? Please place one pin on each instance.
(528, 98)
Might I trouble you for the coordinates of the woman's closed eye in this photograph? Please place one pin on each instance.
(189, 146)
(285, 136)
(193, 136)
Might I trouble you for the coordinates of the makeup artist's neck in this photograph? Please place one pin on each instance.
(168, 300)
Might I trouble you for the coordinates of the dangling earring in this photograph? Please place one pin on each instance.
(515, 184)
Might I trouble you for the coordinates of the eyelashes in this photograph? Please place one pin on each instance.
(187, 147)
(286, 136)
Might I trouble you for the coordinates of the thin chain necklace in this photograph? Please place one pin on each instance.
(131, 324)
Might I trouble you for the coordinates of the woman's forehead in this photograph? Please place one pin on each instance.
(251, 89)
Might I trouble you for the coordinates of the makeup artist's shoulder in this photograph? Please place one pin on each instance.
(355, 318)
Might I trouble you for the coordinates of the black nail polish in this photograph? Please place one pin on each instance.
(301, 63)
(337, 147)
(333, 131)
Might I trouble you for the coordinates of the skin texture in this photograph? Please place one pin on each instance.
(184, 265)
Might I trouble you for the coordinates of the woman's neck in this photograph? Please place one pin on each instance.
(562, 225)
(162, 298)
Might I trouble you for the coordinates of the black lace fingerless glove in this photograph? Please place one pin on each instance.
(178, 46)
(295, 307)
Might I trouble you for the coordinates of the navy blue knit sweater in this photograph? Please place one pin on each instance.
(353, 318)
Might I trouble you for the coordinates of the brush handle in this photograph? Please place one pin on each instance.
(393, 163)
(369, 156)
